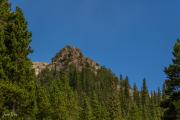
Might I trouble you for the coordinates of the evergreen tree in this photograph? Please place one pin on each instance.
(74, 78)
(96, 107)
(43, 103)
(159, 97)
(113, 102)
(126, 98)
(171, 104)
(136, 97)
(134, 113)
(86, 110)
(144, 100)
(163, 91)
(63, 101)
(17, 85)
(144, 93)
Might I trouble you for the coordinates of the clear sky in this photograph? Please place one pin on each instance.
(132, 37)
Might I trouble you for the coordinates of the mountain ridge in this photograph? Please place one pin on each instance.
(66, 57)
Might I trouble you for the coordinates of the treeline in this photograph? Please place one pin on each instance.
(84, 95)
(74, 94)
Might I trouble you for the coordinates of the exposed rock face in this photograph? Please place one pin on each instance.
(73, 56)
(39, 66)
(68, 56)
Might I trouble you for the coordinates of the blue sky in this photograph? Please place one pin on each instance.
(133, 38)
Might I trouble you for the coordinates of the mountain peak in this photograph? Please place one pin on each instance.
(68, 52)
(66, 57)
(70, 55)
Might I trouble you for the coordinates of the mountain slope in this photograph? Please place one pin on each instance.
(75, 87)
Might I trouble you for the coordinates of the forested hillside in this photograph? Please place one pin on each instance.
(72, 86)
(87, 93)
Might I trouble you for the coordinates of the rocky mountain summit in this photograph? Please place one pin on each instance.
(73, 56)
(66, 57)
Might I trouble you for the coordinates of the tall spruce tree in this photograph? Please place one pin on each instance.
(171, 104)
(43, 104)
(144, 100)
(126, 98)
(96, 107)
(63, 100)
(144, 93)
(86, 110)
(114, 102)
(58, 101)
(136, 97)
(17, 79)
(134, 113)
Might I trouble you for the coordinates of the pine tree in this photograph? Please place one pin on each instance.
(74, 79)
(17, 85)
(171, 104)
(126, 99)
(144, 101)
(58, 101)
(43, 103)
(121, 95)
(159, 97)
(63, 100)
(144, 93)
(71, 99)
(96, 107)
(86, 110)
(113, 101)
(163, 91)
(136, 97)
(134, 113)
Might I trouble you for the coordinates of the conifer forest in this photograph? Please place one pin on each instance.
(72, 86)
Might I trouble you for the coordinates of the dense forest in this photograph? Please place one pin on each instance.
(74, 87)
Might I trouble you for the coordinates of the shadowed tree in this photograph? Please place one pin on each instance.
(171, 104)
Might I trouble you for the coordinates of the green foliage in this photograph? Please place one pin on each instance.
(17, 77)
(171, 100)
(86, 110)
(97, 112)
(63, 101)
(72, 94)
(144, 94)
(136, 97)
(134, 113)
(43, 104)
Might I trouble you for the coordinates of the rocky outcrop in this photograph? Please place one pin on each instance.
(68, 56)
(73, 56)
(39, 66)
